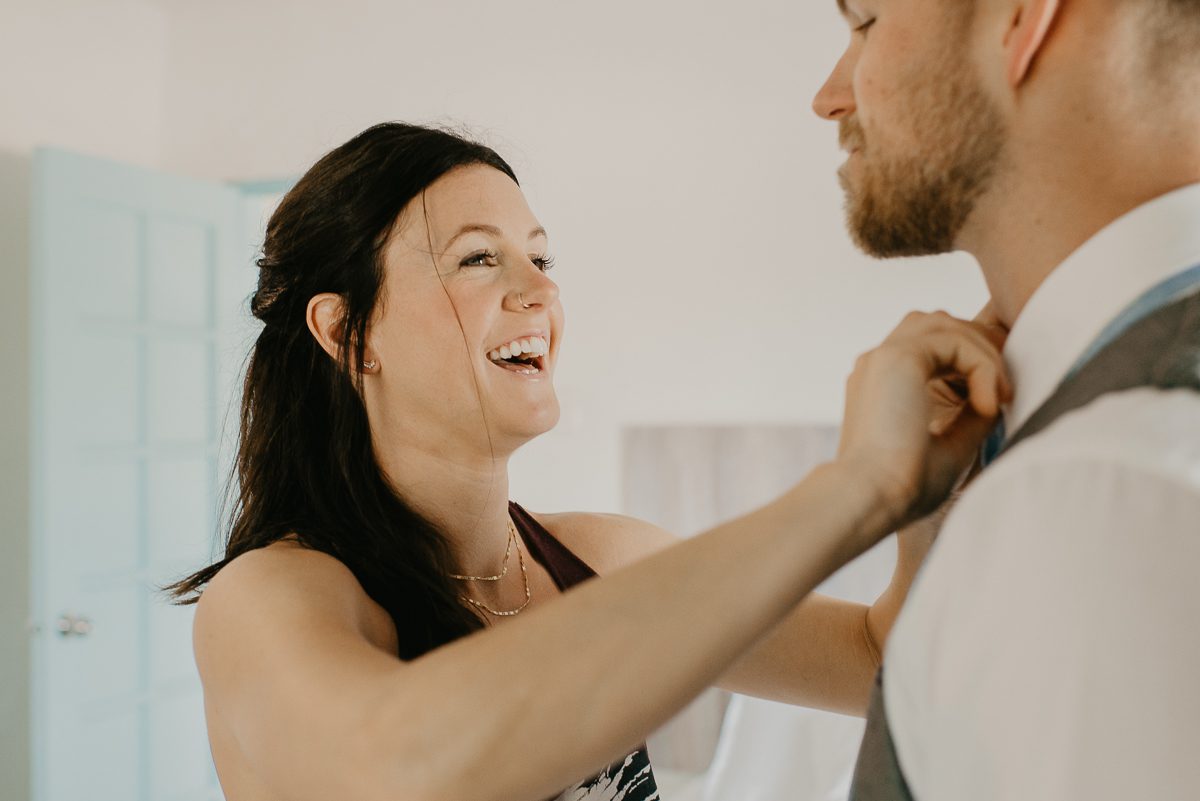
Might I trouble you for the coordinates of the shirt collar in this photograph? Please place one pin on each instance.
(1108, 272)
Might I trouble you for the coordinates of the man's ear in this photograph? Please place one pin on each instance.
(1028, 27)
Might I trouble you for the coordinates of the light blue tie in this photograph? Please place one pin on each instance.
(994, 443)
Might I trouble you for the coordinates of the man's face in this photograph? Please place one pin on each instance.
(924, 138)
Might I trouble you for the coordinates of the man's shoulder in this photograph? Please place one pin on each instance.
(1105, 480)
(1146, 430)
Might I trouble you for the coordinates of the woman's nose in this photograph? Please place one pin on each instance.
(535, 291)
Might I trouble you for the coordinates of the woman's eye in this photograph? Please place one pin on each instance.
(544, 263)
(863, 28)
(484, 258)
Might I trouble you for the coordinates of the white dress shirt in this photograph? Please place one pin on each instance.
(1050, 647)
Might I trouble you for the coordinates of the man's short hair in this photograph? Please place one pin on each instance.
(1173, 27)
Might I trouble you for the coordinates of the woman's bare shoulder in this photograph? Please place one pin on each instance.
(283, 570)
(286, 582)
(606, 542)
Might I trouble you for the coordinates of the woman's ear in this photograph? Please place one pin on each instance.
(1028, 27)
(326, 318)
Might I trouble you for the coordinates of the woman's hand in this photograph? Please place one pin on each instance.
(919, 406)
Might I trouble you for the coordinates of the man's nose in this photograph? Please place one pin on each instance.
(835, 99)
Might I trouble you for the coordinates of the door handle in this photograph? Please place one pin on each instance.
(69, 625)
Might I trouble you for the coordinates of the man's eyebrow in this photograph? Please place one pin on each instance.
(491, 230)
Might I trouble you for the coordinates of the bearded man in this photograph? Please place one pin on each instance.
(1050, 648)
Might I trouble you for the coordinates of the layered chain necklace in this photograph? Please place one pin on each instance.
(512, 538)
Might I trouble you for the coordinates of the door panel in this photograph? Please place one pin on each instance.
(138, 278)
(180, 393)
(178, 254)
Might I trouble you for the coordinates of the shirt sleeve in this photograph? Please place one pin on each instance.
(1050, 650)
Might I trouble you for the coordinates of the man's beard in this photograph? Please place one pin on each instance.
(916, 204)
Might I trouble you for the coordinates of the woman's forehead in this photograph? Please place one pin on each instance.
(471, 198)
(476, 195)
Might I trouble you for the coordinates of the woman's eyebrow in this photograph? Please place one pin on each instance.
(482, 228)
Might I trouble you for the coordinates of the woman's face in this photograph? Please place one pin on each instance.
(465, 282)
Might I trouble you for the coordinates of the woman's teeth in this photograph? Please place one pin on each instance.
(527, 351)
(534, 346)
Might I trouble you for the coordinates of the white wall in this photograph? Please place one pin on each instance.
(668, 147)
(90, 77)
(83, 75)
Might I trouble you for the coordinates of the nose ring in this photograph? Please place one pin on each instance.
(521, 298)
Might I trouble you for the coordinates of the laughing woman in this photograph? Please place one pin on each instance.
(387, 625)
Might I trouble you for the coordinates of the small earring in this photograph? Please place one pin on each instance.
(369, 365)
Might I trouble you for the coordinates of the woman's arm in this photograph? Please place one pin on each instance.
(913, 546)
(824, 654)
(522, 710)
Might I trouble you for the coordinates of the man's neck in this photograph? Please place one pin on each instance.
(1034, 218)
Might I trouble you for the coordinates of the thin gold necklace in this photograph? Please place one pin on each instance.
(510, 613)
(512, 535)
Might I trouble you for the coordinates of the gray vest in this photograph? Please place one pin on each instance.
(1161, 350)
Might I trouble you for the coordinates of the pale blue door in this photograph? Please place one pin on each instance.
(139, 280)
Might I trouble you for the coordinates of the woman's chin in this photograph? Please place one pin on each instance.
(534, 422)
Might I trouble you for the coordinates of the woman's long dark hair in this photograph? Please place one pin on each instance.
(305, 464)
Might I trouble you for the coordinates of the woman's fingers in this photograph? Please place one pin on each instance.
(919, 405)
(986, 383)
(991, 325)
(956, 348)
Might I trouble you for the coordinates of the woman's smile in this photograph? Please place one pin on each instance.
(523, 355)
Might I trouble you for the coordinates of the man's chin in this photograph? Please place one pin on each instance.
(901, 226)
